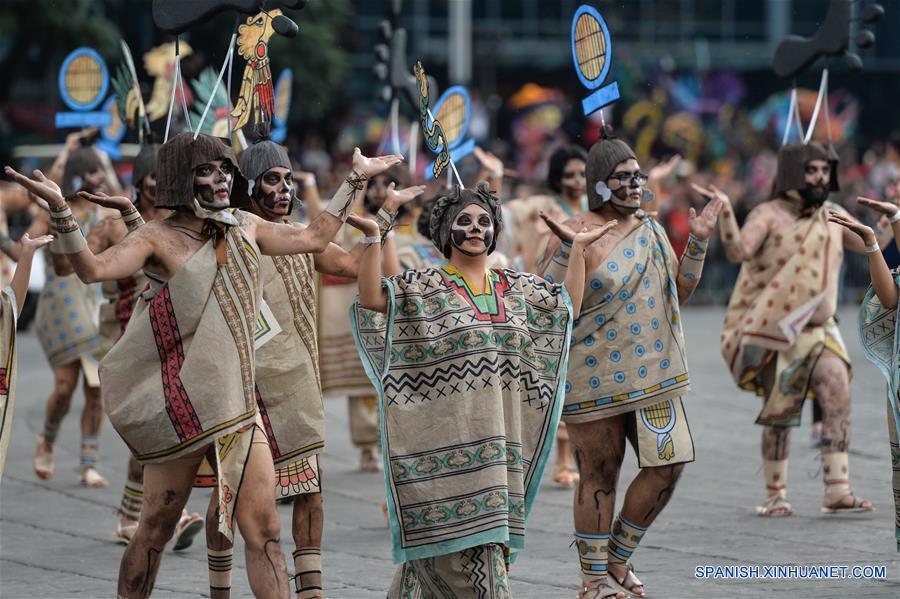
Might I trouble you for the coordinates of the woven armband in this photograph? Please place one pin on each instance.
(69, 238)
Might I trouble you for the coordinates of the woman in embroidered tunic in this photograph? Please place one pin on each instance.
(468, 364)
(877, 315)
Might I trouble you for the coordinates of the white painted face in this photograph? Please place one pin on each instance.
(276, 190)
(472, 232)
(627, 184)
(212, 184)
(573, 181)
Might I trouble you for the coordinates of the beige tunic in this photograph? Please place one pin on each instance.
(287, 380)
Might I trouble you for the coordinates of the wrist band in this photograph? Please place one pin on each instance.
(895, 217)
(70, 242)
(69, 238)
(385, 220)
(370, 239)
(340, 206)
(874, 248)
(307, 182)
(132, 219)
(696, 247)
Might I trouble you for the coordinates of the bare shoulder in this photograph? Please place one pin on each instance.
(829, 205)
(248, 221)
(152, 232)
(767, 210)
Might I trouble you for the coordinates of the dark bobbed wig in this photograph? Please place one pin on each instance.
(558, 161)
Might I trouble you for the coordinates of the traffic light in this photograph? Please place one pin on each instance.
(391, 64)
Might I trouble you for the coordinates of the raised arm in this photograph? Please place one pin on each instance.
(491, 169)
(889, 210)
(882, 279)
(129, 212)
(310, 193)
(656, 174)
(568, 260)
(741, 244)
(372, 295)
(19, 281)
(279, 239)
(552, 266)
(121, 260)
(40, 226)
(691, 266)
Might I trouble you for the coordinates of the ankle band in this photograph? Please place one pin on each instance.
(219, 563)
(624, 539)
(592, 553)
(90, 449)
(308, 572)
(132, 501)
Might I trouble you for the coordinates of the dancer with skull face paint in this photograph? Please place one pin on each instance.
(193, 327)
(287, 370)
(121, 296)
(780, 339)
(468, 364)
(628, 365)
(66, 322)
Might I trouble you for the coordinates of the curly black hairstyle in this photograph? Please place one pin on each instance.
(446, 207)
(558, 161)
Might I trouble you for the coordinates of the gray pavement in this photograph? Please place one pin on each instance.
(55, 536)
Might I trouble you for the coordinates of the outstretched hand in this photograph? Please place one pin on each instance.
(586, 236)
(665, 168)
(368, 226)
(30, 245)
(398, 197)
(702, 225)
(886, 208)
(489, 162)
(711, 192)
(120, 203)
(865, 232)
(44, 192)
(564, 232)
(375, 165)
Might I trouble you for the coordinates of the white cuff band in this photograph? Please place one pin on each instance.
(895, 217)
(871, 249)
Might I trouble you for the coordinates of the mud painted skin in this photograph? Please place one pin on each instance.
(473, 231)
(212, 184)
(274, 191)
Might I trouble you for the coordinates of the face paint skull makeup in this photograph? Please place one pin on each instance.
(472, 233)
(178, 163)
(627, 185)
(809, 170)
(477, 202)
(609, 159)
(275, 191)
(212, 184)
(817, 174)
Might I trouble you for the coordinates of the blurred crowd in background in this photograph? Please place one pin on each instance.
(724, 122)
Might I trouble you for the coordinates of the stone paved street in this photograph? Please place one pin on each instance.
(55, 536)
